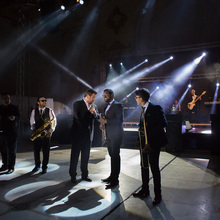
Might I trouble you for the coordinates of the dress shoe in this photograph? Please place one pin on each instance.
(44, 171)
(87, 179)
(111, 185)
(157, 200)
(107, 180)
(73, 180)
(141, 194)
(35, 169)
(10, 171)
(3, 168)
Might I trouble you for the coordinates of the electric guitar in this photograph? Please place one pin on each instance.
(193, 103)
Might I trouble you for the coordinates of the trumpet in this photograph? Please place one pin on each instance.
(102, 127)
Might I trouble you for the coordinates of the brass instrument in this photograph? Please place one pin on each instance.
(102, 126)
(40, 132)
(144, 147)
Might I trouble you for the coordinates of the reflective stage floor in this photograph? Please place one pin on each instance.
(190, 188)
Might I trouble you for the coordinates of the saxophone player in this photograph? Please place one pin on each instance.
(40, 116)
(152, 138)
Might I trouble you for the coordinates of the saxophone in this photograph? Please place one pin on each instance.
(40, 132)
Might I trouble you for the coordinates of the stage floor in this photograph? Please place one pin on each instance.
(190, 189)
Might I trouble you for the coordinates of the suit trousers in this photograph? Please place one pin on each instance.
(114, 153)
(44, 144)
(8, 148)
(153, 156)
(80, 146)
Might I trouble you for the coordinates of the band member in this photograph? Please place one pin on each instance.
(152, 137)
(194, 107)
(9, 117)
(43, 120)
(84, 113)
(114, 133)
(176, 108)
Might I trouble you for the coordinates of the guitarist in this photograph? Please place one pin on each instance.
(194, 113)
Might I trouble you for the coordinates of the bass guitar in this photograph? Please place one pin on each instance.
(193, 103)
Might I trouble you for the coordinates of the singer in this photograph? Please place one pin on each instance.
(84, 114)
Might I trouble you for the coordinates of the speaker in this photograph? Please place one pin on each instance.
(215, 128)
(174, 133)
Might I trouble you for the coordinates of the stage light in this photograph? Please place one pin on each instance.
(62, 7)
(39, 9)
(171, 57)
(121, 64)
(203, 54)
(189, 86)
(146, 60)
(137, 88)
(217, 84)
(110, 65)
(157, 87)
(81, 2)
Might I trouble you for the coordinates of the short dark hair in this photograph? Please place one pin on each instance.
(143, 93)
(110, 91)
(38, 99)
(89, 92)
(4, 94)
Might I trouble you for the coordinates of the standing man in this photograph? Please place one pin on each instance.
(84, 113)
(9, 117)
(43, 123)
(151, 138)
(113, 122)
(194, 107)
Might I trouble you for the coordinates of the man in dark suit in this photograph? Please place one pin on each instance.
(84, 113)
(114, 133)
(152, 137)
(9, 117)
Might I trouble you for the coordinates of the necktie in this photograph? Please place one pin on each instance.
(41, 113)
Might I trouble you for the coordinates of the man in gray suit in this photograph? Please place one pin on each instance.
(113, 122)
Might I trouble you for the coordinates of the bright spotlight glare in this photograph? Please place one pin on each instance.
(189, 85)
(62, 7)
(217, 84)
(203, 54)
(81, 2)
(146, 60)
(121, 64)
(110, 65)
(158, 87)
(171, 57)
(137, 88)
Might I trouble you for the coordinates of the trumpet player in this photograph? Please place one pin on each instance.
(40, 116)
(114, 113)
(152, 137)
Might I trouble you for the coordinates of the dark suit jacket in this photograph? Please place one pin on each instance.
(114, 116)
(82, 121)
(155, 123)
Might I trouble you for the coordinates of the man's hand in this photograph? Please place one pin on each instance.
(103, 121)
(92, 110)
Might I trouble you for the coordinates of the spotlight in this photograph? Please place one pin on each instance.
(39, 9)
(62, 7)
(121, 64)
(189, 86)
(217, 84)
(137, 88)
(203, 54)
(146, 60)
(110, 65)
(171, 57)
(157, 87)
(81, 2)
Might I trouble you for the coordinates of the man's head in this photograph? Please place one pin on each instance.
(6, 99)
(108, 95)
(90, 95)
(42, 102)
(193, 92)
(142, 96)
